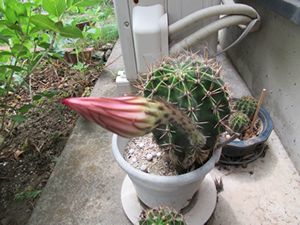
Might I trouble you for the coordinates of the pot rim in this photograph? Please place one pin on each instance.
(181, 179)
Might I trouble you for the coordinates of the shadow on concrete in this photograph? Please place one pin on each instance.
(222, 208)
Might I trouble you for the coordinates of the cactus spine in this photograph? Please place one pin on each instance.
(247, 105)
(161, 216)
(193, 86)
(238, 122)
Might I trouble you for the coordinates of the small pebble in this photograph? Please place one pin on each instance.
(153, 154)
(134, 160)
(141, 145)
(149, 156)
(131, 151)
(158, 154)
(144, 168)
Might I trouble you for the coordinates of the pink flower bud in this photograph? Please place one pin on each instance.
(127, 116)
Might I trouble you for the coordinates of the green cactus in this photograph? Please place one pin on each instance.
(161, 216)
(193, 86)
(238, 121)
(247, 105)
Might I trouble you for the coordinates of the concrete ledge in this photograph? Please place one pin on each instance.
(289, 9)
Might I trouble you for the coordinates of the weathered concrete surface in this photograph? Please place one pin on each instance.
(84, 188)
(266, 192)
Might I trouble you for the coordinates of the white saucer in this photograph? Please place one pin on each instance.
(202, 210)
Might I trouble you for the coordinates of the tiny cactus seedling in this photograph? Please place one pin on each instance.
(161, 216)
(238, 122)
(193, 86)
(247, 105)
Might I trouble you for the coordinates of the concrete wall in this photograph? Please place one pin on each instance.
(270, 58)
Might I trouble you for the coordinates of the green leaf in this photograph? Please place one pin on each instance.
(20, 50)
(44, 22)
(25, 108)
(13, 26)
(54, 7)
(49, 94)
(15, 68)
(46, 94)
(18, 118)
(27, 195)
(44, 45)
(4, 53)
(70, 31)
(56, 55)
(85, 3)
(20, 9)
(69, 3)
(10, 15)
(4, 39)
(34, 30)
(37, 97)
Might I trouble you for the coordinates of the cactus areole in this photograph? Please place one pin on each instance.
(184, 105)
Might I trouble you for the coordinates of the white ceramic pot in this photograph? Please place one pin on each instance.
(155, 190)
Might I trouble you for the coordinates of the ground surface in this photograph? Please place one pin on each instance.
(85, 185)
(31, 151)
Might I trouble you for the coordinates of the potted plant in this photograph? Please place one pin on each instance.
(254, 124)
(185, 106)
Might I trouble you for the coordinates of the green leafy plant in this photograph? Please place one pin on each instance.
(161, 216)
(185, 106)
(28, 31)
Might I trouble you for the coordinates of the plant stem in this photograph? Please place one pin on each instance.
(7, 87)
(29, 73)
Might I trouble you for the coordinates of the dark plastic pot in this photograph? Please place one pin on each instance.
(83, 56)
(246, 147)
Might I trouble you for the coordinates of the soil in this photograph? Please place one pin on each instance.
(257, 129)
(144, 154)
(248, 133)
(30, 151)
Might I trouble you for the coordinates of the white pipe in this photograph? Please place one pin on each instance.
(188, 21)
(208, 30)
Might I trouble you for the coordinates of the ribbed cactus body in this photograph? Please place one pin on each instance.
(161, 216)
(194, 87)
(247, 105)
(238, 122)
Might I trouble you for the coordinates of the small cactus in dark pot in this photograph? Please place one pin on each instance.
(161, 216)
(247, 105)
(238, 122)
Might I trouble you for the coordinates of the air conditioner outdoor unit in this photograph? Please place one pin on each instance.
(152, 29)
